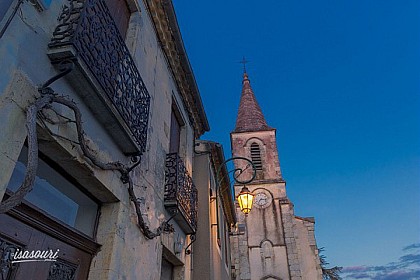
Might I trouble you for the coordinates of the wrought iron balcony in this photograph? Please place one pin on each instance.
(106, 76)
(180, 194)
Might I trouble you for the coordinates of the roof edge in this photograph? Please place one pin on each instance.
(250, 131)
(166, 26)
(306, 219)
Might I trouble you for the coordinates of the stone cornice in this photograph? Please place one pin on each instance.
(167, 29)
(307, 219)
(265, 182)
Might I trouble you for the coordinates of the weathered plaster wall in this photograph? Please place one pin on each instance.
(125, 253)
(209, 257)
(202, 248)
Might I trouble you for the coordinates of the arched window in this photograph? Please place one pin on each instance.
(256, 156)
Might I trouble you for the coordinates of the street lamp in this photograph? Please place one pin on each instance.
(245, 197)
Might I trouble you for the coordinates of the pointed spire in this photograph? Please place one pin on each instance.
(250, 116)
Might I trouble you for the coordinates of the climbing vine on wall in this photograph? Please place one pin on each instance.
(37, 109)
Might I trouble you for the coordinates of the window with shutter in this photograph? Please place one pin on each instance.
(120, 13)
(175, 133)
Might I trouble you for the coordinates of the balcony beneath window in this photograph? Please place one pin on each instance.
(106, 76)
(180, 194)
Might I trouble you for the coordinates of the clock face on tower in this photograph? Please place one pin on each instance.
(262, 199)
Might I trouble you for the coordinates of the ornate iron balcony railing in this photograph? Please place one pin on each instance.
(180, 193)
(106, 76)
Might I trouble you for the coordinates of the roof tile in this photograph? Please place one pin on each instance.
(250, 116)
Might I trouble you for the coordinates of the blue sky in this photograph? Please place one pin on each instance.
(340, 82)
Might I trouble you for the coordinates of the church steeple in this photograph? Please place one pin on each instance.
(275, 241)
(250, 116)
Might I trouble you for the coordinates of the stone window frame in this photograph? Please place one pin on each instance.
(178, 267)
(49, 159)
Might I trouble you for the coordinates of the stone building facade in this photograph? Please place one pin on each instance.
(271, 242)
(129, 209)
(212, 253)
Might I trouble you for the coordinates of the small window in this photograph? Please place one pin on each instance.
(241, 228)
(256, 156)
(176, 127)
(56, 194)
(120, 13)
(4, 6)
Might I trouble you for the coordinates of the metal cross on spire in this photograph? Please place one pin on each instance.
(244, 62)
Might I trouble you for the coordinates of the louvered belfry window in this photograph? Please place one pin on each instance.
(256, 156)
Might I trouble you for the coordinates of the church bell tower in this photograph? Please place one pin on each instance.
(271, 242)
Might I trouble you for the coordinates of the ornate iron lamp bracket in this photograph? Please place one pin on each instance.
(237, 171)
(193, 239)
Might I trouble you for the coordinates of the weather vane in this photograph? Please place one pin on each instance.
(244, 62)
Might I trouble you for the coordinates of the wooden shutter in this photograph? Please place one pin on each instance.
(175, 134)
